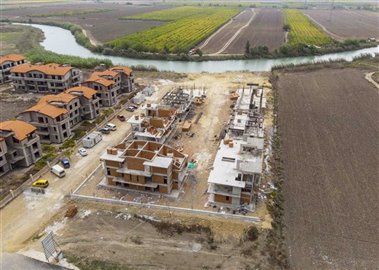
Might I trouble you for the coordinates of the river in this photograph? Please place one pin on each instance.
(61, 41)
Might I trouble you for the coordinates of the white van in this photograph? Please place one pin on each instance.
(111, 126)
(58, 171)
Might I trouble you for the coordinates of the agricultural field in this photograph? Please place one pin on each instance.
(185, 28)
(303, 30)
(265, 30)
(221, 39)
(329, 133)
(102, 26)
(347, 24)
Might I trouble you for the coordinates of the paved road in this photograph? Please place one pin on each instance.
(13, 261)
(29, 212)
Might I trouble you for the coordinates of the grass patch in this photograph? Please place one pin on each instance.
(18, 39)
(41, 55)
(186, 27)
(88, 264)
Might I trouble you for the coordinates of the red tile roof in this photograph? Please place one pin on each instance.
(50, 69)
(11, 57)
(20, 128)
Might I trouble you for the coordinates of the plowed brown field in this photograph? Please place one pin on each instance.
(217, 41)
(265, 30)
(329, 127)
(103, 26)
(347, 23)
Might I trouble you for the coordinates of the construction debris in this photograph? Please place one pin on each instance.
(72, 210)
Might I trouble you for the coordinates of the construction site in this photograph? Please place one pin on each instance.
(193, 152)
(197, 147)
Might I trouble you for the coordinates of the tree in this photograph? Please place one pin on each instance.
(199, 52)
(287, 27)
(247, 47)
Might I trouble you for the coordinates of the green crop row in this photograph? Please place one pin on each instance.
(70, 12)
(303, 31)
(186, 27)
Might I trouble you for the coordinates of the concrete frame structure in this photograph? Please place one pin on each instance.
(19, 145)
(236, 173)
(178, 99)
(237, 168)
(145, 166)
(51, 78)
(247, 118)
(6, 63)
(157, 123)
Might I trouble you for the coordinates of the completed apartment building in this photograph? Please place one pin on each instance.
(19, 145)
(127, 79)
(107, 84)
(6, 63)
(145, 166)
(51, 78)
(89, 101)
(56, 115)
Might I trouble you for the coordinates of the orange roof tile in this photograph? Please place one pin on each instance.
(86, 91)
(95, 78)
(124, 69)
(50, 69)
(47, 109)
(11, 57)
(20, 128)
(61, 97)
(107, 72)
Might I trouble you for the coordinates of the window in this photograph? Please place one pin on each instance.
(108, 171)
(165, 179)
(228, 159)
(227, 198)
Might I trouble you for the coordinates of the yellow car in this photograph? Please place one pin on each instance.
(41, 183)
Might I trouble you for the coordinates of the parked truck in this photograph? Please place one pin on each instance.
(92, 139)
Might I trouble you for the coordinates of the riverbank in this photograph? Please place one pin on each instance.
(82, 37)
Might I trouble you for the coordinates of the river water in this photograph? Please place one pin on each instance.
(61, 41)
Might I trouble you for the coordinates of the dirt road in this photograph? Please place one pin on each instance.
(30, 212)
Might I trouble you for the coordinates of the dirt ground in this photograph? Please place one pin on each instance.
(347, 23)
(107, 233)
(12, 102)
(202, 147)
(219, 40)
(329, 128)
(266, 29)
(98, 24)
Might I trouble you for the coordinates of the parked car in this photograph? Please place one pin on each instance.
(134, 106)
(58, 171)
(111, 126)
(130, 109)
(104, 130)
(121, 118)
(41, 183)
(83, 152)
(65, 162)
